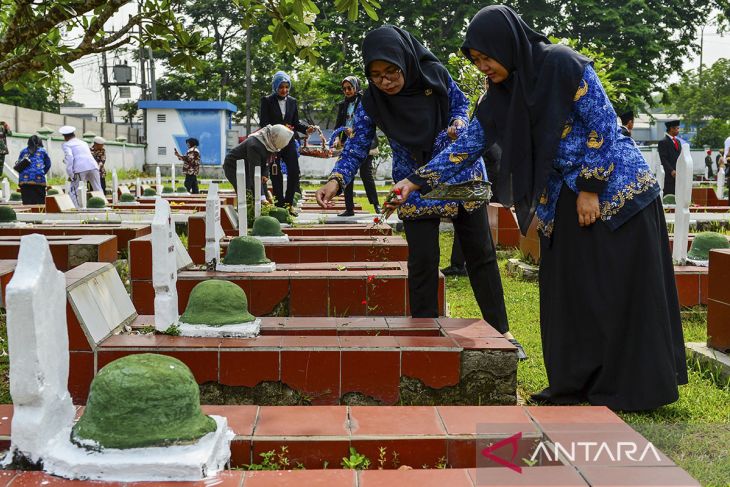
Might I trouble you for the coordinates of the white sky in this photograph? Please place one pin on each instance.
(86, 81)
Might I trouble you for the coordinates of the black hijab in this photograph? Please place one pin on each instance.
(34, 142)
(525, 113)
(414, 116)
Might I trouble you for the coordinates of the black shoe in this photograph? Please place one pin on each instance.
(544, 397)
(347, 213)
(453, 270)
(521, 355)
(377, 209)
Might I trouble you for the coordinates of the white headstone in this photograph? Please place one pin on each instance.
(6, 190)
(213, 229)
(67, 188)
(720, 191)
(707, 174)
(683, 195)
(660, 174)
(138, 187)
(158, 180)
(654, 161)
(172, 176)
(257, 191)
(241, 186)
(38, 347)
(82, 194)
(115, 187)
(164, 266)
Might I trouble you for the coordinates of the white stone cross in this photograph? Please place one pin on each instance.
(38, 347)
(172, 176)
(257, 191)
(164, 266)
(6, 190)
(720, 191)
(138, 187)
(660, 175)
(683, 195)
(213, 230)
(82, 194)
(115, 187)
(241, 186)
(158, 180)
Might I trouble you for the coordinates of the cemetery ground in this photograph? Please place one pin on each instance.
(694, 432)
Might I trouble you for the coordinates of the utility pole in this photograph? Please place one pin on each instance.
(248, 81)
(107, 94)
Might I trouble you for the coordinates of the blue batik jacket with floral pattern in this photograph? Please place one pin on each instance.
(592, 156)
(358, 145)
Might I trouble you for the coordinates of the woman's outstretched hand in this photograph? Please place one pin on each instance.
(325, 194)
(401, 190)
(588, 209)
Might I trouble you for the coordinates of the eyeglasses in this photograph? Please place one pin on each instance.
(391, 75)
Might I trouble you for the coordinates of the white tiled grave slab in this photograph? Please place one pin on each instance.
(101, 303)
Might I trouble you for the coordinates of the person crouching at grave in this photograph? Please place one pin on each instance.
(4, 132)
(32, 166)
(256, 151)
(609, 313)
(280, 108)
(99, 152)
(80, 164)
(345, 117)
(412, 99)
(191, 165)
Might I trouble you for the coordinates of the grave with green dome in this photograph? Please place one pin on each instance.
(218, 308)
(267, 229)
(246, 254)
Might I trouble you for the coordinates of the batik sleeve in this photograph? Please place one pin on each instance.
(356, 149)
(594, 109)
(456, 157)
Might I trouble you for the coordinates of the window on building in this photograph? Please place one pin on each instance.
(161, 118)
(162, 151)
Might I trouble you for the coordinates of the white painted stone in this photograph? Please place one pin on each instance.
(124, 189)
(138, 187)
(276, 239)
(64, 202)
(257, 191)
(683, 195)
(158, 180)
(270, 267)
(6, 190)
(67, 188)
(720, 190)
(10, 171)
(164, 266)
(38, 347)
(172, 176)
(82, 195)
(660, 174)
(101, 303)
(115, 187)
(97, 194)
(238, 330)
(182, 257)
(213, 230)
(241, 187)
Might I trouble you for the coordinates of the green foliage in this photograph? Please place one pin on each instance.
(149, 192)
(467, 76)
(96, 202)
(356, 461)
(713, 134)
(127, 198)
(272, 460)
(7, 214)
(14, 196)
(168, 189)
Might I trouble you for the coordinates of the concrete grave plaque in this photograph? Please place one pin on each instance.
(97, 194)
(683, 193)
(164, 266)
(38, 346)
(213, 230)
(241, 186)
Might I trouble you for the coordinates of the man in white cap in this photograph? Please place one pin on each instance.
(99, 153)
(80, 164)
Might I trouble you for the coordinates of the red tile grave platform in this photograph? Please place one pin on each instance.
(68, 251)
(123, 231)
(503, 223)
(692, 284)
(718, 303)
(301, 250)
(307, 289)
(421, 438)
(707, 197)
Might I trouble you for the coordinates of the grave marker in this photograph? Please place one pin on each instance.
(660, 174)
(241, 186)
(38, 346)
(213, 230)
(138, 187)
(683, 195)
(257, 191)
(164, 266)
(6, 190)
(115, 187)
(158, 180)
(720, 191)
(172, 176)
(82, 195)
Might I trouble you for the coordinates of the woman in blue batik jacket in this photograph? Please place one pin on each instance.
(609, 313)
(417, 105)
(32, 179)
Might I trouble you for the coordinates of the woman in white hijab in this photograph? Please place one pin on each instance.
(256, 151)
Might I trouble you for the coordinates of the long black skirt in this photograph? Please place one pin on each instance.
(609, 311)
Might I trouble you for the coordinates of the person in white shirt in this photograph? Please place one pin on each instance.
(80, 164)
(726, 152)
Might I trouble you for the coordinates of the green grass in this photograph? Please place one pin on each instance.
(694, 431)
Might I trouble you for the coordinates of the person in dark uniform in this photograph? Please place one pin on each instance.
(627, 122)
(669, 148)
(280, 108)
(708, 164)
